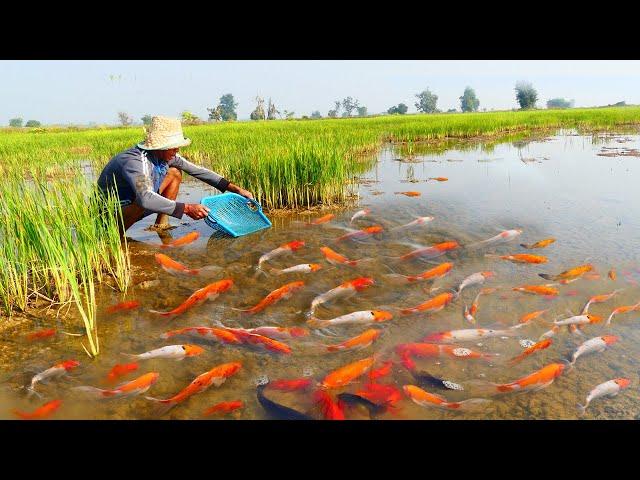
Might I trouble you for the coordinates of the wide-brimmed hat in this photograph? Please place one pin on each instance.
(163, 134)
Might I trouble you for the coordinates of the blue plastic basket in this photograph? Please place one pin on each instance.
(234, 214)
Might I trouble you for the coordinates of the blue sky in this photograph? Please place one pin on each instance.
(94, 91)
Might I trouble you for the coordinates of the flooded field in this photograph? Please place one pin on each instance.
(580, 190)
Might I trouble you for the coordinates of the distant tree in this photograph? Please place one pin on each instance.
(334, 112)
(189, 118)
(32, 123)
(452, 110)
(526, 95)
(271, 111)
(426, 102)
(146, 120)
(215, 114)
(559, 103)
(125, 119)
(289, 115)
(226, 109)
(468, 101)
(258, 113)
(620, 104)
(316, 114)
(16, 122)
(349, 105)
(399, 109)
(362, 111)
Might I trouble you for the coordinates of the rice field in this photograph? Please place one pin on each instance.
(56, 246)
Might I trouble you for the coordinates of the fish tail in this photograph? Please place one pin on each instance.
(472, 403)
(162, 406)
(21, 414)
(546, 276)
(91, 391)
(317, 323)
(524, 245)
(130, 355)
(245, 310)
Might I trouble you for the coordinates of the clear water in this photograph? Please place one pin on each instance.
(554, 187)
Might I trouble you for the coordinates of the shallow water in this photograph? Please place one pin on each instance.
(555, 187)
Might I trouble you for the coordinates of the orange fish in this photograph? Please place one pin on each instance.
(625, 309)
(210, 292)
(540, 244)
(331, 410)
(537, 289)
(129, 389)
(41, 334)
(361, 341)
(383, 371)
(255, 339)
(123, 306)
(520, 258)
(290, 385)
(224, 407)
(526, 318)
(120, 370)
(592, 276)
(211, 333)
(287, 248)
(361, 233)
(431, 350)
(599, 299)
(432, 305)
(439, 179)
(541, 345)
(347, 374)
(178, 242)
(278, 332)
(335, 258)
(171, 266)
(409, 194)
(436, 272)
(216, 376)
(282, 293)
(45, 411)
(380, 394)
(612, 274)
(568, 274)
(432, 251)
(426, 399)
(535, 381)
(324, 219)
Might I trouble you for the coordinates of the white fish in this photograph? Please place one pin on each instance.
(477, 278)
(467, 315)
(345, 289)
(281, 250)
(302, 268)
(606, 389)
(504, 236)
(549, 333)
(593, 345)
(578, 320)
(175, 352)
(360, 213)
(419, 221)
(355, 318)
(468, 335)
(58, 370)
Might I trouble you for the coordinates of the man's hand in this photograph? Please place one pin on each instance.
(196, 210)
(240, 191)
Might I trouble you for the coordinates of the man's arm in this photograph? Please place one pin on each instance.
(207, 176)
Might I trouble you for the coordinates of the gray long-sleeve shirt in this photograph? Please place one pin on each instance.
(137, 175)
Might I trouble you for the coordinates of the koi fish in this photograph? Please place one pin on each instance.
(535, 381)
(129, 389)
(210, 292)
(209, 333)
(550, 333)
(520, 258)
(277, 410)
(344, 290)
(541, 345)
(432, 305)
(612, 274)
(381, 372)
(599, 299)
(505, 236)
(606, 389)
(360, 213)
(277, 332)
(625, 309)
(40, 413)
(179, 242)
(260, 340)
(526, 318)
(546, 290)
(570, 274)
(432, 350)
(361, 233)
(58, 370)
(283, 293)
(175, 352)
(585, 319)
(426, 378)
(353, 399)
(324, 219)
(302, 268)
(123, 306)
(216, 376)
(540, 244)
(408, 194)
(176, 268)
(290, 385)
(281, 250)
(40, 334)
(120, 370)
(430, 252)
(331, 410)
(347, 374)
(468, 316)
(477, 278)
(419, 221)
(466, 335)
(593, 345)
(439, 179)
(359, 342)
(426, 399)
(380, 394)
(436, 272)
(224, 407)
(335, 258)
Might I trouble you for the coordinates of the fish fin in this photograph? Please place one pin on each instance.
(524, 245)
(546, 276)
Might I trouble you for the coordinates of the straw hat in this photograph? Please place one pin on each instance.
(163, 134)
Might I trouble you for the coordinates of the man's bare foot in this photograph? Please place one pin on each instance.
(160, 227)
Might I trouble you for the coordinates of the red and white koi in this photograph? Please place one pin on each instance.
(594, 345)
(585, 319)
(343, 290)
(360, 214)
(173, 352)
(361, 233)
(606, 389)
(624, 309)
(502, 237)
(287, 248)
(363, 317)
(599, 299)
(208, 333)
(418, 222)
(467, 335)
(477, 278)
(58, 370)
(302, 268)
(550, 333)
(426, 399)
